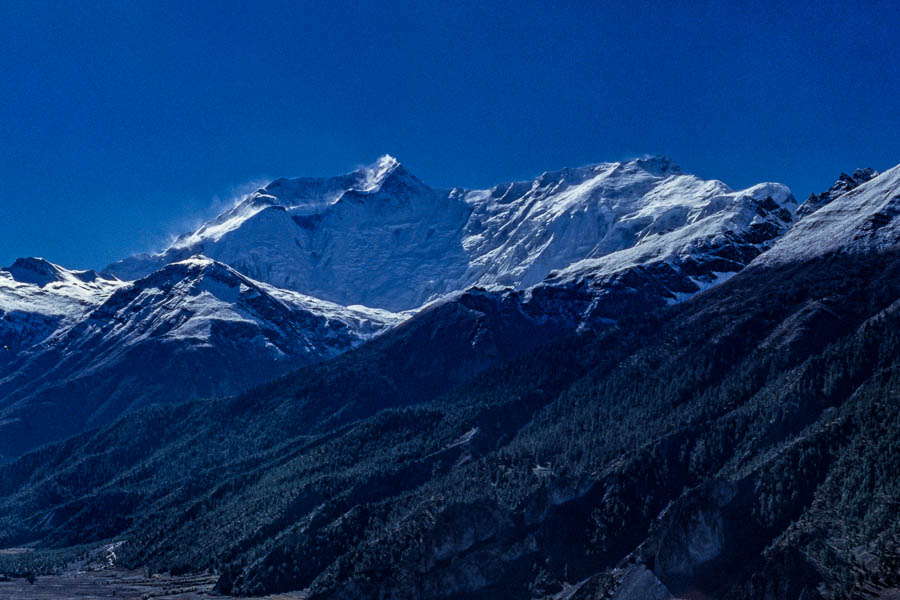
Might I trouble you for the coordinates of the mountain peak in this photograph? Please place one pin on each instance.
(38, 271)
(384, 164)
(197, 267)
(197, 260)
(373, 176)
(41, 272)
(657, 164)
(34, 270)
(311, 190)
(844, 184)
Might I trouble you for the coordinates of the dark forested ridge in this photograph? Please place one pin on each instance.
(743, 444)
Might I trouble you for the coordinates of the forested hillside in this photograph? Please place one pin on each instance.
(740, 443)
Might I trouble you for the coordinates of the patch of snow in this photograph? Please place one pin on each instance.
(702, 285)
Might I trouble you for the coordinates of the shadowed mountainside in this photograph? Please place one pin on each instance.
(748, 404)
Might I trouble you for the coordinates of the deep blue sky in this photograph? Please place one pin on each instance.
(122, 123)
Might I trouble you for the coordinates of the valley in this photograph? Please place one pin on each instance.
(109, 584)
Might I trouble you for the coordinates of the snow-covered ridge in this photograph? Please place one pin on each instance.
(706, 229)
(380, 237)
(303, 196)
(193, 301)
(188, 296)
(37, 285)
(864, 218)
(38, 298)
(194, 328)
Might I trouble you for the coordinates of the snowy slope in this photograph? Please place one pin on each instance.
(375, 237)
(865, 218)
(188, 299)
(380, 237)
(720, 237)
(38, 298)
(194, 328)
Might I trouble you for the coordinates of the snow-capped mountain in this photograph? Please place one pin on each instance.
(706, 450)
(194, 328)
(810, 307)
(570, 248)
(380, 237)
(38, 298)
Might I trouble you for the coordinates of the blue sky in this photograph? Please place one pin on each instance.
(122, 123)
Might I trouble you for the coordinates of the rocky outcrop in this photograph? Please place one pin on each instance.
(844, 184)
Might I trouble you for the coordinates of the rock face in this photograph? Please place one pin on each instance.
(192, 329)
(380, 237)
(844, 184)
(639, 583)
(693, 537)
